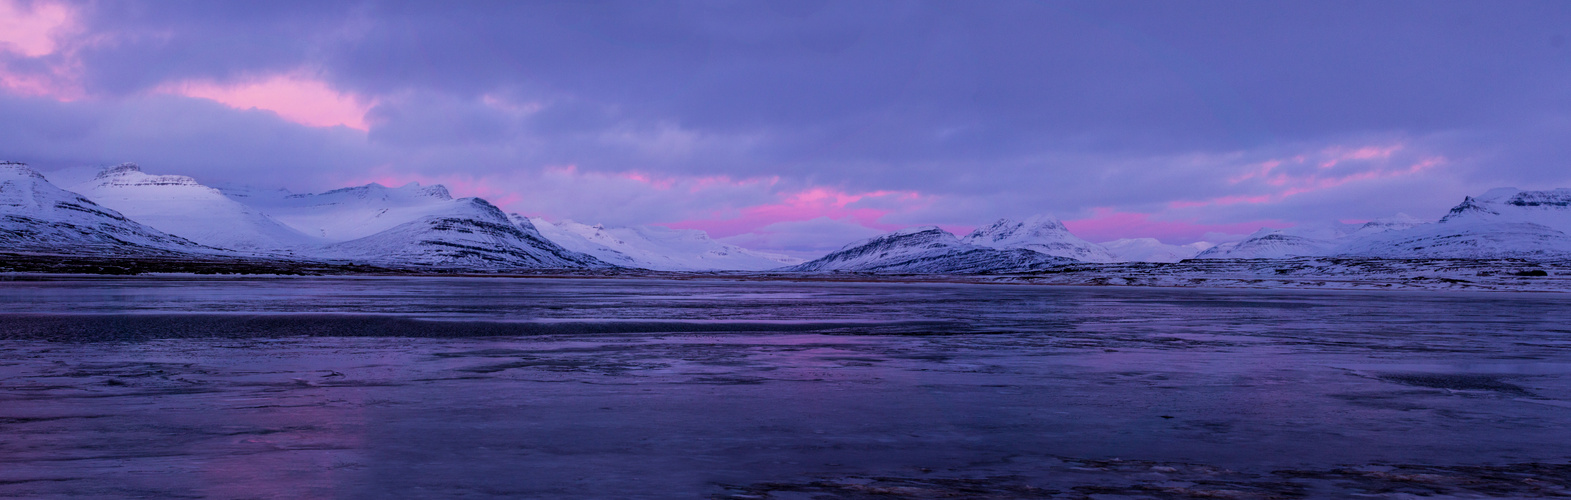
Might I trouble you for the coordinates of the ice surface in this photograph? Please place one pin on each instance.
(610, 388)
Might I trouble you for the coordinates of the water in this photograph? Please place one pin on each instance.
(622, 388)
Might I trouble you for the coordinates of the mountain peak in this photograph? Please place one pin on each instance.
(18, 169)
(437, 191)
(1040, 233)
(1554, 198)
(119, 170)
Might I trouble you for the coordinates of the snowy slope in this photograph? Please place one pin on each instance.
(927, 250)
(349, 213)
(1502, 223)
(38, 217)
(468, 233)
(1309, 240)
(178, 205)
(1152, 250)
(657, 248)
(1268, 243)
(1039, 233)
(1467, 240)
(1551, 209)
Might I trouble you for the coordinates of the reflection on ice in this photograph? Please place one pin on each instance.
(409, 388)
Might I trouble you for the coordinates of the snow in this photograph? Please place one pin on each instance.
(654, 247)
(468, 233)
(1152, 250)
(122, 210)
(1308, 240)
(1040, 233)
(350, 213)
(37, 216)
(179, 205)
(927, 250)
(1501, 223)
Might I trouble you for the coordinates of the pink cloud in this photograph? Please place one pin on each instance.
(1107, 224)
(29, 29)
(808, 204)
(294, 97)
(1329, 168)
(33, 30)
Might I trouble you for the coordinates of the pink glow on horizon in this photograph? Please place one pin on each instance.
(691, 184)
(1107, 224)
(805, 205)
(293, 97)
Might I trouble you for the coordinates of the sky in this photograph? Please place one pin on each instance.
(801, 125)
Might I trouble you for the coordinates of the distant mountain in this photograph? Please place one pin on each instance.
(1040, 233)
(927, 250)
(348, 213)
(1501, 223)
(654, 247)
(38, 217)
(1308, 240)
(1152, 250)
(1270, 243)
(123, 211)
(467, 233)
(179, 205)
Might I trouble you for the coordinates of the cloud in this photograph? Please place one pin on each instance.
(845, 118)
(293, 96)
(29, 28)
(30, 62)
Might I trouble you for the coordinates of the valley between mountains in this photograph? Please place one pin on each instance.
(124, 220)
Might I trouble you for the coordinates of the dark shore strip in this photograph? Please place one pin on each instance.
(139, 327)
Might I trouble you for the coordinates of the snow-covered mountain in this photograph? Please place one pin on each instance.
(36, 216)
(1152, 250)
(927, 250)
(1309, 240)
(1551, 208)
(654, 247)
(348, 213)
(1501, 223)
(467, 233)
(1039, 233)
(1268, 243)
(181, 206)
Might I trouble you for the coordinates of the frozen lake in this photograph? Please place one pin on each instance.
(624, 388)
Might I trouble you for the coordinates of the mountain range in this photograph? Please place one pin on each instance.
(121, 211)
